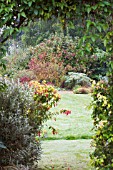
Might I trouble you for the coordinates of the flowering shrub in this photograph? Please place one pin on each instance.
(51, 71)
(53, 58)
(45, 97)
(102, 157)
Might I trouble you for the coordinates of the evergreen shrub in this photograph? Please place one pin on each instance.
(73, 79)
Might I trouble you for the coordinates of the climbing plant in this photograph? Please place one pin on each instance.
(99, 27)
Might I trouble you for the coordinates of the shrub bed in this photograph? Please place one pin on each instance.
(23, 109)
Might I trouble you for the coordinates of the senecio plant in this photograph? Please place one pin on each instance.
(23, 109)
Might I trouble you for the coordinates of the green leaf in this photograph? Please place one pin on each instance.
(11, 31)
(30, 3)
(101, 4)
(23, 14)
(105, 9)
(84, 38)
(88, 24)
(35, 11)
(106, 3)
(50, 8)
(99, 28)
(105, 42)
(105, 27)
(19, 16)
(93, 38)
(71, 25)
(88, 10)
(112, 64)
(95, 7)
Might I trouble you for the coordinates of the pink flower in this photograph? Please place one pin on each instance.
(66, 112)
(24, 79)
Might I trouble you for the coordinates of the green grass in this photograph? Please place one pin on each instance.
(71, 147)
(64, 154)
(77, 125)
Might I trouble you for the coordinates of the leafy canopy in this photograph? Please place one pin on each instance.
(15, 15)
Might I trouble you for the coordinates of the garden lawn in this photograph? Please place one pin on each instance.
(66, 155)
(77, 125)
(62, 151)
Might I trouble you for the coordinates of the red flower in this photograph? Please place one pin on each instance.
(39, 133)
(54, 132)
(66, 112)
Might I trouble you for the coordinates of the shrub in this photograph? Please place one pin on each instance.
(24, 75)
(15, 61)
(49, 70)
(74, 79)
(45, 98)
(15, 130)
(102, 157)
(23, 110)
(82, 90)
(96, 64)
(54, 57)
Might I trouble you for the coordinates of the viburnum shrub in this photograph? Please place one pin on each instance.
(102, 157)
(23, 110)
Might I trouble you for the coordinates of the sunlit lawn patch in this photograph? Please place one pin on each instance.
(78, 124)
